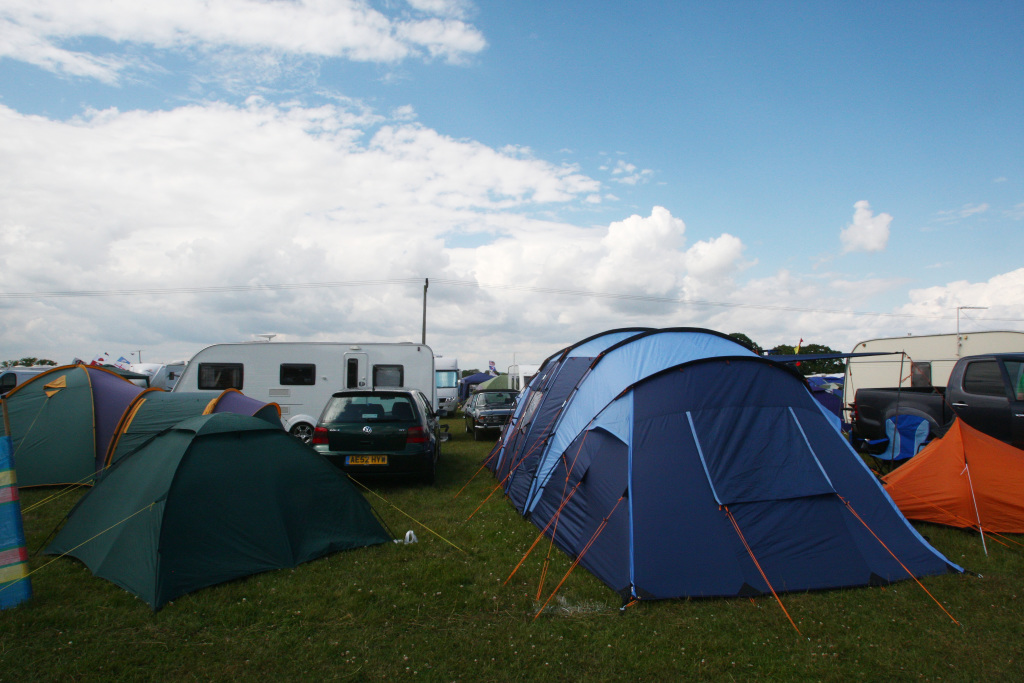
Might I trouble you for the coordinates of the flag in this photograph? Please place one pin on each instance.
(123, 363)
(798, 349)
(101, 359)
(491, 369)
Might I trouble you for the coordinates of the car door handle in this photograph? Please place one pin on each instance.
(960, 404)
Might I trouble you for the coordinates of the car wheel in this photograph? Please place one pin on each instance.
(303, 432)
(468, 430)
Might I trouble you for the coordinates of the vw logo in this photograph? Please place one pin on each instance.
(368, 430)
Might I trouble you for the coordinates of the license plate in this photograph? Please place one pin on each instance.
(366, 460)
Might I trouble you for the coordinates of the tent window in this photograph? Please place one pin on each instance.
(220, 376)
(298, 374)
(388, 376)
(920, 374)
(530, 409)
(983, 377)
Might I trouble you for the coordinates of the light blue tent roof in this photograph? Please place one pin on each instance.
(619, 367)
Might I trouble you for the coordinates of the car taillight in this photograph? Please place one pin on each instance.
(416, 435)
(319, 436)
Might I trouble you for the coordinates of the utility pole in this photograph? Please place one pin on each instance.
(426, 283)
(959, 341)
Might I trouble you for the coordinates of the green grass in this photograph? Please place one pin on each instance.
(431, 611)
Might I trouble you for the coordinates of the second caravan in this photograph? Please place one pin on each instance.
(301, 376)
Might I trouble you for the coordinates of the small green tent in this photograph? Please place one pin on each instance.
(498, 382)
(215, 498)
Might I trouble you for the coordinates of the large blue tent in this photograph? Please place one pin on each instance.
(712, 475)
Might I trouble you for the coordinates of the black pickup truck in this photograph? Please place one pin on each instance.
(986, 392)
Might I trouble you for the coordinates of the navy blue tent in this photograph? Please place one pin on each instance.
(715, 476)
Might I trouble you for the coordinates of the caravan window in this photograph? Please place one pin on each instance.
(220, 376)
(388, 376)
(920, 374)
(298, 374)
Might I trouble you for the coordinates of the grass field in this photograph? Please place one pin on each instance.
(440, 610)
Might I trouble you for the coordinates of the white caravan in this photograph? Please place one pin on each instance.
(301, 376)
(447, 372)
(520, 375)
(928, 359)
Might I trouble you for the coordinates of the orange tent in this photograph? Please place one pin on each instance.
(965, 479)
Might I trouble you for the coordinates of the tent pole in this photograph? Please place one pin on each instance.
(974, 500)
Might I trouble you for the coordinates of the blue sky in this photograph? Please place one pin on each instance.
(826, 171)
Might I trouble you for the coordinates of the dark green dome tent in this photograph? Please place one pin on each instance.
(215, 498)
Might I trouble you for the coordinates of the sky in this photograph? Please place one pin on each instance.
(174, 175)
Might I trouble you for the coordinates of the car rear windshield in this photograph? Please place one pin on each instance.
(499, 399)
(366, 409)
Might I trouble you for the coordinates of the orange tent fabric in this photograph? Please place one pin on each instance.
(936, 485)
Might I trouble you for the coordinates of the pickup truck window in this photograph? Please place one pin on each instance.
(984, 378)
(1016, 371)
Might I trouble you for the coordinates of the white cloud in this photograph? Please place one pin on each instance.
(39, 31)
(217, 196)
(867, 232)
(628, 174)
(965, 211)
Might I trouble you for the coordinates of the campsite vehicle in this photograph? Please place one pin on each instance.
(161, 375)
(919, 361)
(446, 370)
(489, 410)
(380, 432)
(301, 376)
(985, 391)
(12, 377)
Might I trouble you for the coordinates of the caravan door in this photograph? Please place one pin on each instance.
(356, 365)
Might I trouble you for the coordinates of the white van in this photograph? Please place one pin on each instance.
(446, 370)
(161, 375)
(920, 361)
(301, 376)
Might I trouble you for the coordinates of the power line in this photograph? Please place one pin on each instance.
(608, 296)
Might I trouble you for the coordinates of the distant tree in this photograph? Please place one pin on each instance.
(26, 362)
(744, 339)
(782, 350)
(467, 373)
(831, 366)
